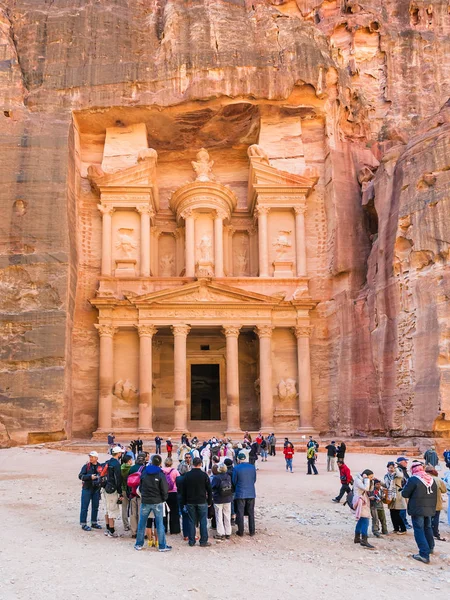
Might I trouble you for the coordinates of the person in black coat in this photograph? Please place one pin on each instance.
(421, 491)
(341, 450)
(90, 492)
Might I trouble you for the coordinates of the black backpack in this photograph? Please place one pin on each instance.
(226, 487)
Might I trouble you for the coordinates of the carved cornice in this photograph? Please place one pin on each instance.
(264, 331)
(146, 330)
(106, 330)
(105, 209)
(302, 331)
(180, 329)
(231, 330)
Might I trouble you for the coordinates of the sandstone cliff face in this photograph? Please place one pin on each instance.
(375, 76)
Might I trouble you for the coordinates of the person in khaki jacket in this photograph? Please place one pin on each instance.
(442, 489)
(393, 480)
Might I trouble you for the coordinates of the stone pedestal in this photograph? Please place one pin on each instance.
(283, 268)
(205, 268)
(125, 267)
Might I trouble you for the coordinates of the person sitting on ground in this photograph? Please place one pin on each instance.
(421, 492)
(377, 509)
(127, 463)
(172, 520)
(90, 491)
(393, 481)
(441, 489)
(154, 491)
(222, 490)
(361, 505)
(431, 457)
(288, 452)
(331, 456)
(112, 491)
(197, 495)
(244, 479)
(346, 480)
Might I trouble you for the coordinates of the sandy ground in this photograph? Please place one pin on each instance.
(303, 547)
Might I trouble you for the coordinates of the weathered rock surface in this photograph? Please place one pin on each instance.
(366, 80)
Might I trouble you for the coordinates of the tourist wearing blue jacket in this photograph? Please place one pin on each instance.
(244, 479)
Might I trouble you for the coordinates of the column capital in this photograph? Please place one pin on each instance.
(106, 209)
(180, 329)
(106, 330)
(300, 210)
(302, 331)
(231, 330)
(186, 213)
(221, 214)
(261, 210)
(146, 330)
(264, 331)
(145, 209)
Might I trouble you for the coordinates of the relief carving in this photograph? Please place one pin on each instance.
(282, 243)
(166, 265)
(203, 166)
(287, 390)
(241, 263)
(205, 247)
(126, 243)
(125, 390)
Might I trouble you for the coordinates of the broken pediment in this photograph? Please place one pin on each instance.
(203, 291)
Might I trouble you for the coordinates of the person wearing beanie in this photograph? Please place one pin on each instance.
(361, 506)
(421, 492)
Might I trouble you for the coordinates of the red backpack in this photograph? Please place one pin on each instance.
(133, 482)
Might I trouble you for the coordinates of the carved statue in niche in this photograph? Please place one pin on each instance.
(282, 243)
(241, 262)
(126, 243)
(205, 248)
(166, 264)
(125, 390)
(287, 390)
(203, 166)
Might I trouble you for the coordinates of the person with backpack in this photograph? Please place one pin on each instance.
(172, 520)
(361, 506)
(197, 496)
(311, 455)
(90, 491)
(125, 467)
(431, 457)
(169, 447)
(244, 479)
(288, 452)
(112, 490)
(421, 492)
(346, 480)
(133, 482)
(222, 490)
(263, 449)
(154, 491)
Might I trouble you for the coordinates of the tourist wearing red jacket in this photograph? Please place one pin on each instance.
(346, 479)
(289, 455)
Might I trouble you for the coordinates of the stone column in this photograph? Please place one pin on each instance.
(146, 333)
(263, 240)
(231, 232)
(146, 212)
(106, 376)
(107, 212)
(300, 241)
(264, 333)
(218, 243)
(188, 217)
(305, 406)
(180, 333)
(233, 411)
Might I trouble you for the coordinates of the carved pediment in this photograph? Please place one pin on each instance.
(204, 291)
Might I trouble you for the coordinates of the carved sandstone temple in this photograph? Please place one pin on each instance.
(203, 307)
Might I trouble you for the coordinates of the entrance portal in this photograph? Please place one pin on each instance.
(205, 392)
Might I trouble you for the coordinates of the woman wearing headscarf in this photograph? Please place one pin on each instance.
(421, 490)
(361, 506)
(393, 481)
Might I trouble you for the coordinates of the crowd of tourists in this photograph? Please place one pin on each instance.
(417, 492)
(215, 480)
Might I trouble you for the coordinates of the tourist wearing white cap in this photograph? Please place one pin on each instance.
(112, 492)
(90, 492)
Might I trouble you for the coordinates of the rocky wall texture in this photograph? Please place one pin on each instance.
(378, 73)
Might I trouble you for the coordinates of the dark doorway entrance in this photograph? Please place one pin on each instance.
(205, 393)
